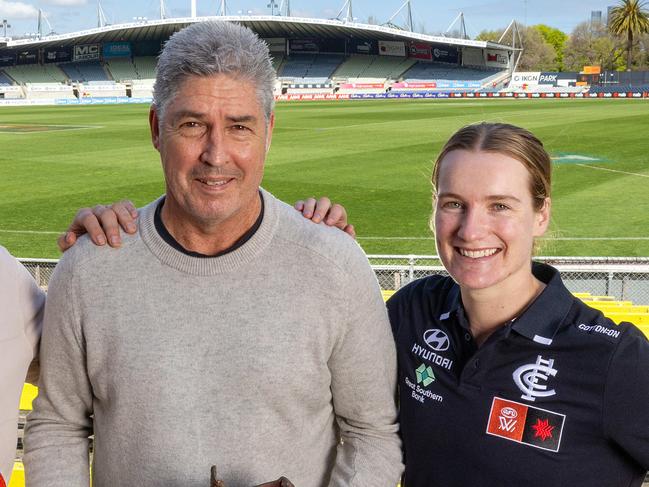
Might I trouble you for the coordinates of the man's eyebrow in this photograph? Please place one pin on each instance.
(187, 114)
(241, 118)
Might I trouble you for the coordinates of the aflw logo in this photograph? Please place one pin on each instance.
(507, 419)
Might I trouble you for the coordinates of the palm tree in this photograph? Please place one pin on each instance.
(629, 18)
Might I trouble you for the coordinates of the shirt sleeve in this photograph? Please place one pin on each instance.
(363, 370)
(626, 396)
(31, 303)
(57, 430)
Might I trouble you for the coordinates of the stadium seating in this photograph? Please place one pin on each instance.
(425, 71)
(145, 66)
(36, 73)
(85, 71)
(122, 69)
(360, 67)
(619, 88)
(5, 80)
(309, 68)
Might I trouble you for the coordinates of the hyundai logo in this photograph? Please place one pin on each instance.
(436, 339)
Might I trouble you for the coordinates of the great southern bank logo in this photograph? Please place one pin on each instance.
(424, 375)
(436, 339)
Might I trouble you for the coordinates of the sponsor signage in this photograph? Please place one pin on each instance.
(444, 54)
(419, 50)
(496, 58)
(7, 59)
(276, 44)
(406, 84)
(357, 86)
(525, 424)
(392, 48)
(27, 57)
(117, 49)
(525, 79)
(548, 79)
(58, 55)
(356, 46)
(85, 52)
(303, 45)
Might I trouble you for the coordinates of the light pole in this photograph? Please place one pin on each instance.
(5, 26)
(272, 6)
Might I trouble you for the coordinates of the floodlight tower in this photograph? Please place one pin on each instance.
(101, 16)
(459, 18)
(285, 8)
(163, 10)
(193, 9)
(405, 5)
(5, 26)
(223, 9)
(349, 17)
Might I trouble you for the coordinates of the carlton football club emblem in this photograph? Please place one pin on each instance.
(531, 378)
(525, 424)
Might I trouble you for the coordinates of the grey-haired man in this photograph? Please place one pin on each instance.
(215, 354)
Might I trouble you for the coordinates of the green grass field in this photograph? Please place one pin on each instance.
(373, 156)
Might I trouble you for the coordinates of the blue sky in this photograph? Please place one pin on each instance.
(432, 15)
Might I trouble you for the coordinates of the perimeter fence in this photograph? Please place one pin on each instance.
(624, 278)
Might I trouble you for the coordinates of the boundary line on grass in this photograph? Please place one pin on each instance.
(614, 170)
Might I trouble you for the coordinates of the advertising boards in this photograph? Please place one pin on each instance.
(358, 46)
(28, 56)
(117, 49)
(57, 55)
(392, 48)
(496, 58)
(445, 54)
(85, 52)
(303, 45)
(419, 50)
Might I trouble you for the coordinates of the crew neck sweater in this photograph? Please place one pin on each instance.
(21, 306)
(259, 361)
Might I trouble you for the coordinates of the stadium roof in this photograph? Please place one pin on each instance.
(266, 26)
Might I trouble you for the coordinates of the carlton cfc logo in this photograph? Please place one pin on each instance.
(437, 339)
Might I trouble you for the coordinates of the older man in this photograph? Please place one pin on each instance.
(245, 336)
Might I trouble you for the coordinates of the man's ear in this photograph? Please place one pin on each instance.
(154, 124)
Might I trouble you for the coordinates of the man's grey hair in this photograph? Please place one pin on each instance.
(210, 48)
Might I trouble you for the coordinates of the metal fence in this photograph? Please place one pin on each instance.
(625, 278)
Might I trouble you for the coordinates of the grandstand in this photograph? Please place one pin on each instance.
(326, 57)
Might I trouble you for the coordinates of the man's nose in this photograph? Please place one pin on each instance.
(215, 150)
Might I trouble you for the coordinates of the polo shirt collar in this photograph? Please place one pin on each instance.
(536, 323)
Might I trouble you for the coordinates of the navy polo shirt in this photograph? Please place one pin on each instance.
(557, 397)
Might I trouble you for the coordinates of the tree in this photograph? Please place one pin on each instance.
(557, 39)
(628, 19)
(591, 45)
(538, 54)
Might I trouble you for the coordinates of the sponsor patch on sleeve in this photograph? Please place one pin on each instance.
(525, 424)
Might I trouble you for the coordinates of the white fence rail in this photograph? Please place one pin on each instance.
(625, 278)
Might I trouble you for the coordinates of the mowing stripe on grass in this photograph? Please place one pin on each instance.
(614, 170)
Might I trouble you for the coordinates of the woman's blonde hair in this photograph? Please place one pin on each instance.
(510, 140)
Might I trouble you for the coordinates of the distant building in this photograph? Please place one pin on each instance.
(608, 13)
(595, 17)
